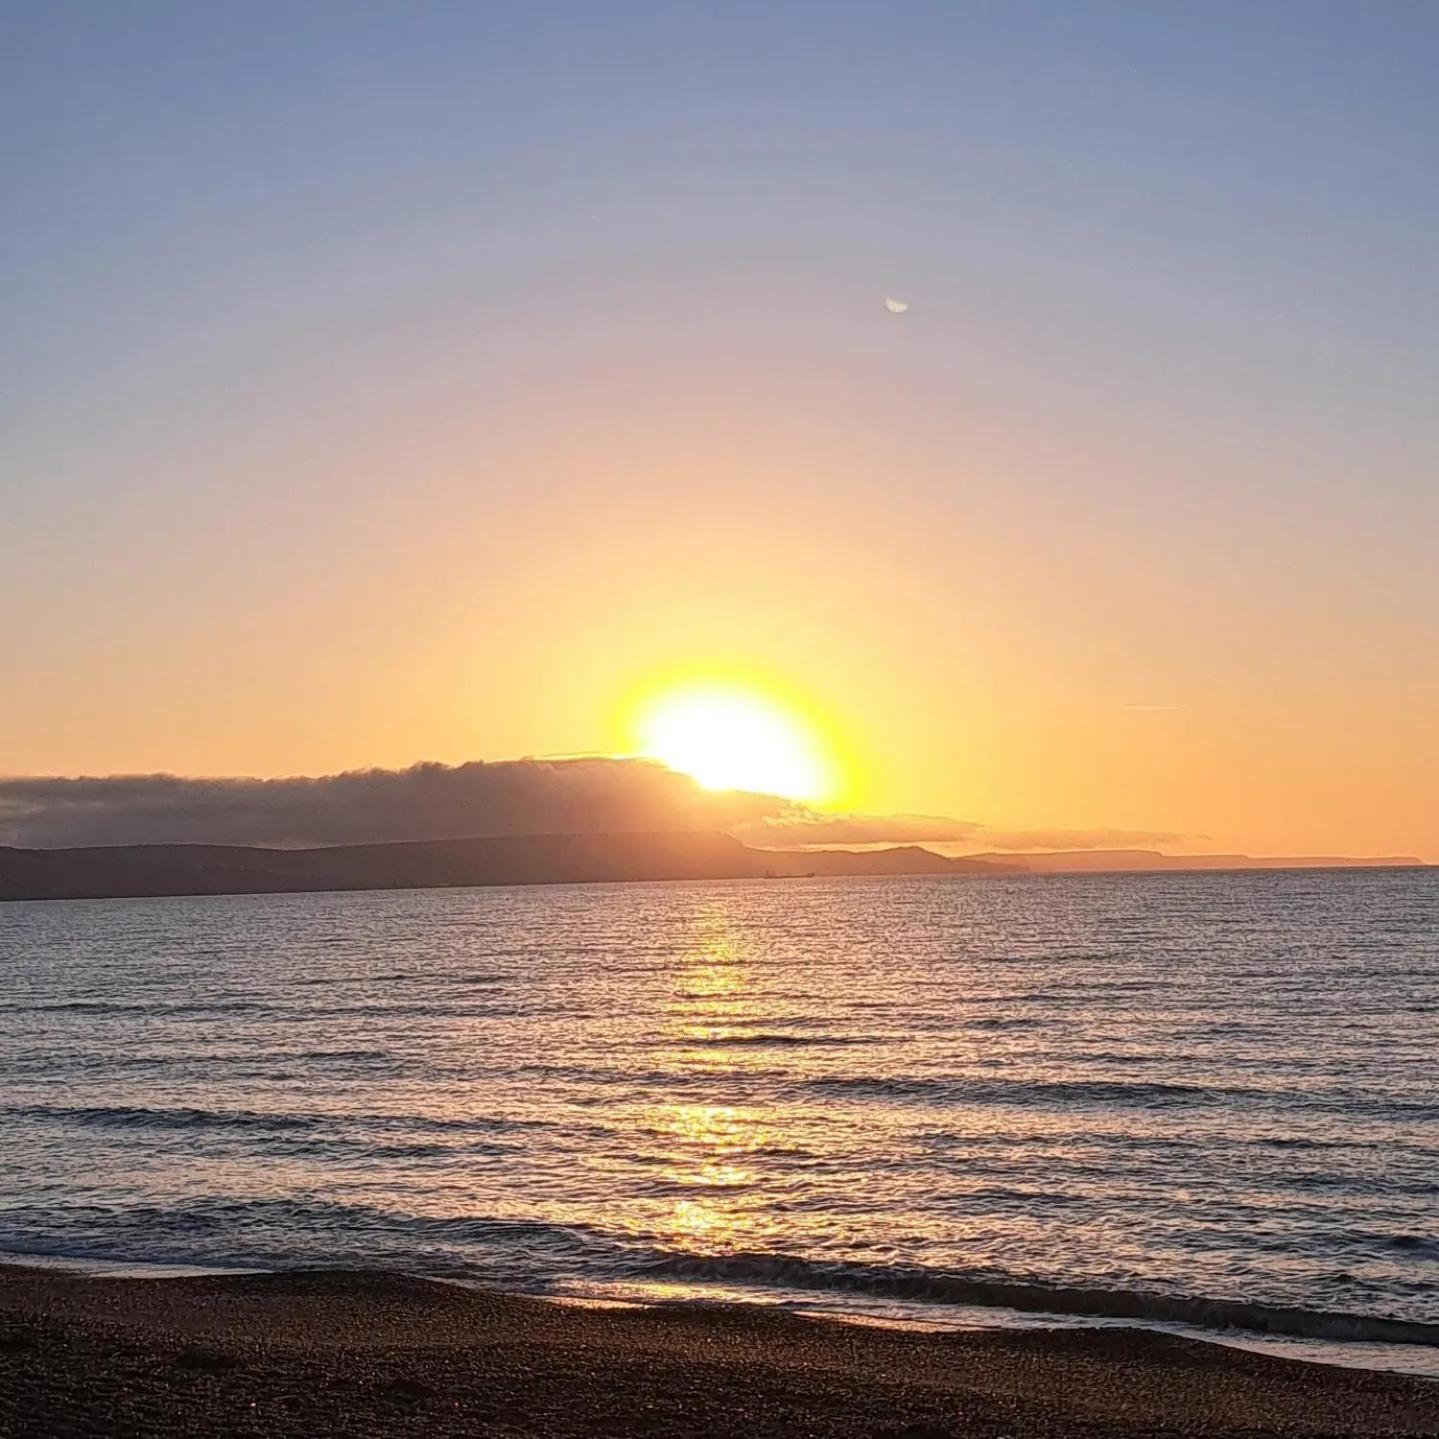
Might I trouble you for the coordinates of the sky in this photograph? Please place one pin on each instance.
(399, 382)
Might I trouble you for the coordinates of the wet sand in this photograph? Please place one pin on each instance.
(328, 1353)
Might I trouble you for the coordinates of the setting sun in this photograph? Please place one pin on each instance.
(731, 738)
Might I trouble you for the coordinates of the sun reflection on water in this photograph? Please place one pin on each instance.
(707, 1149)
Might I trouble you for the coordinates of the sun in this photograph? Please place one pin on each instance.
(731, 738)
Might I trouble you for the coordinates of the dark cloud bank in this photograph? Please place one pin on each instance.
(435, 801)
(427, 801)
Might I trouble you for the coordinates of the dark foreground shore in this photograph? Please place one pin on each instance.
(365, 1354)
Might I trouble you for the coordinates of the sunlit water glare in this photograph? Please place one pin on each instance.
(1206, 1099)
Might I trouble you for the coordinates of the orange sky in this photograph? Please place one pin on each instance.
(986, 668)
(423, 404)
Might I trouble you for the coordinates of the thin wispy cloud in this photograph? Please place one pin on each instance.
(797, 828)
(1048, 839)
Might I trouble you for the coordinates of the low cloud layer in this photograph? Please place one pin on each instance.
(427, 801)
(435, 801)
(1039, 839)
(795, 828)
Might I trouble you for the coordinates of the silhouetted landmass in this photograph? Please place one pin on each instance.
(133, 871)
(1106, 861)
(125, 871)
(899, 859)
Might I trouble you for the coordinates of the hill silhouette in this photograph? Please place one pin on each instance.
(1114, 861)
(132, 871)
(154, 870)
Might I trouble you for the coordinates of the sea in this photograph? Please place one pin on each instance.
(1206, 1103)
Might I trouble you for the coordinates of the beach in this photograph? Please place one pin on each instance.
(355, 1352)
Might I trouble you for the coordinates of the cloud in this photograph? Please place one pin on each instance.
(1007, 839)
(436, 801)
(427, 801)
(798, 827)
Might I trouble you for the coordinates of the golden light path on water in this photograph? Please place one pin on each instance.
(707, 1147)
(722, 1018)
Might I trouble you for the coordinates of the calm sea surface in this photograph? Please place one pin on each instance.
(1204, 1099)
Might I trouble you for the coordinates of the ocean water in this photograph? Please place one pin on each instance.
(1206, 1100)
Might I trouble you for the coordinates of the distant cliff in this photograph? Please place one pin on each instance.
(1109, 861)
(125, 871)
(134, 871)
(900, 859)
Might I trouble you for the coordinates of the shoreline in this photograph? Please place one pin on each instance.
(356, 1351)
(1379, 1344)
(221, 884)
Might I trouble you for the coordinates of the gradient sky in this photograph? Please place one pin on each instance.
(386, 382)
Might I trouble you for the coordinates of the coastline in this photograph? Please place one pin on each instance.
(354, 1351)
(193, 871)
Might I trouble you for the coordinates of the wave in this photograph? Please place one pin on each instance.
(293, 1135)
(121, 1116)
(403, 976)
(152, 1008)
(1149, 1094)
(387, 1009)
(916, 1285)
(431, 977)
(1027, 1092)
(776, 1040)
(288, 1013)
(283, 1233)
(355, 1055)
(534, 1254)
(186, 1117)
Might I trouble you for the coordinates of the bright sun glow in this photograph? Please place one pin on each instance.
(735, 739)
